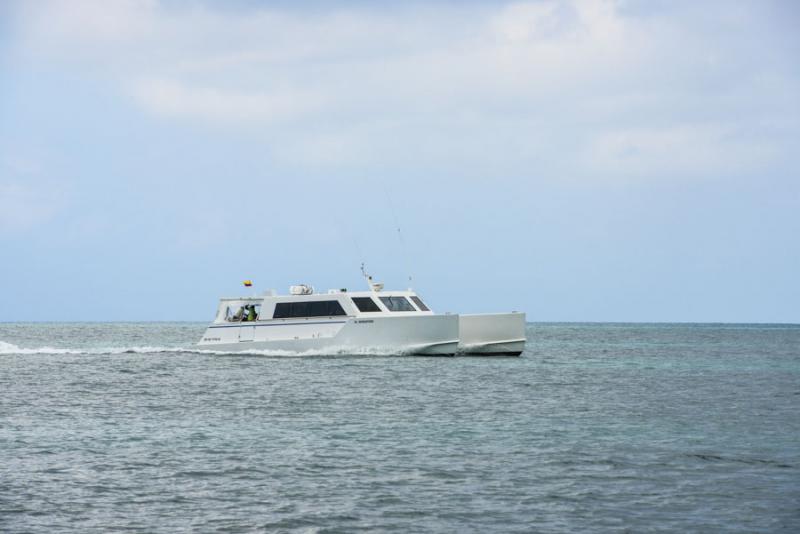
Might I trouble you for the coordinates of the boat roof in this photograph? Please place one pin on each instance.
(333, 293)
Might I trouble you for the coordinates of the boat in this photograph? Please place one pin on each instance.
(491, 334)
(339, 321)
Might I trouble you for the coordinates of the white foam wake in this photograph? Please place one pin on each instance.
(10, 348)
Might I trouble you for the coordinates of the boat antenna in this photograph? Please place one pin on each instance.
(399, 236)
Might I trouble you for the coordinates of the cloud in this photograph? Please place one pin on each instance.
(175, 60)
(603, 83)
(174, 99)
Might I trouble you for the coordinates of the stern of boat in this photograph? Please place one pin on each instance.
(492, 334)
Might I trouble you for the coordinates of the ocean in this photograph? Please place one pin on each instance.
(596, 427)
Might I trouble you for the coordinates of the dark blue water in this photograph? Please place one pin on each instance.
(109, 427)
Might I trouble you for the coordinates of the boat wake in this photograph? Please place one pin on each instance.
(10, 348)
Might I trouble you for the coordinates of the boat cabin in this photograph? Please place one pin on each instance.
(305, 304)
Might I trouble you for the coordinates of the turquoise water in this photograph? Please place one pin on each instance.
(597, 427)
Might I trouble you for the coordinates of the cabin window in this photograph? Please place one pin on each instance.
(234, 314)
(397, 304)
(420, 304)
(242, 313)
(319, 308)
(366, 304)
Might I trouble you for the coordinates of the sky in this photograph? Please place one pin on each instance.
(588, 160)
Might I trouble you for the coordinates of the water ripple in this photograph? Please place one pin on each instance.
(595, 428)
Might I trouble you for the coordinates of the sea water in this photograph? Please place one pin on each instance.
(596, 427)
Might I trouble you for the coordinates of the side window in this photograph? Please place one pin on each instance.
(294, 309)
(320, 308)
(234, 314)
(396, 304)
(242, 313)
(419, 303)
(252, 312)
(324, 307)
(283, 310)
(366, 304)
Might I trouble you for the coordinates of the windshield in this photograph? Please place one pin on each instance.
(397, 304)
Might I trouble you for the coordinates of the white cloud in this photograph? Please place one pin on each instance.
(328, 84)
(63, 27)
(173, 98)
(238, 61)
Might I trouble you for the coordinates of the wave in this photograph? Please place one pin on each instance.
(10, 348)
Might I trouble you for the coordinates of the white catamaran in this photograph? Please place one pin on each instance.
(363, 322)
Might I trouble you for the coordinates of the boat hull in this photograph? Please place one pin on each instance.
(433, 335)
(492, 334)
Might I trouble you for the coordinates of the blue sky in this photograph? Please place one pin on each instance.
(580, 161)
